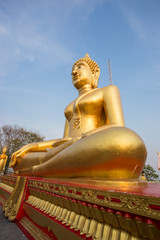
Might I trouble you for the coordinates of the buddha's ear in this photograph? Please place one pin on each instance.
(96, 75)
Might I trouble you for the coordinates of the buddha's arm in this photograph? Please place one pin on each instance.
(113, 106)
(36, 147)
(113, 109)
(66, 129)
(40, 146)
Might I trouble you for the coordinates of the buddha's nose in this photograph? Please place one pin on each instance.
(74, 72)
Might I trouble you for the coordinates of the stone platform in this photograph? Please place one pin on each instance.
(82, 208)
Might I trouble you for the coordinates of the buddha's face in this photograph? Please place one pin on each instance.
(81, 75)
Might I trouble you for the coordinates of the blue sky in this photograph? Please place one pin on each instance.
(41, 39)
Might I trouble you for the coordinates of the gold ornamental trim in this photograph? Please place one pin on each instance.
(6, 187)
(9, 178)
(104, 225)
(137, 204)
(12, 204)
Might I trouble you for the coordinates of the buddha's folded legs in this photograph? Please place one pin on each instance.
(117, 152)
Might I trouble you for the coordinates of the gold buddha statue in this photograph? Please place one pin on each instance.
(3, 159)
(143, 177)
(96, 142)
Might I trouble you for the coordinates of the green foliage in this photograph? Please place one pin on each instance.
(150, 173)
(15, 137)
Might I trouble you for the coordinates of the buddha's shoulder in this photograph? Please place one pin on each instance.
(110, 88)
(106, 89)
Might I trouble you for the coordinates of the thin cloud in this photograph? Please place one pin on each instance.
(3, 30)
(23, 40)
(143, 28)
(24, 26)
(27, 91)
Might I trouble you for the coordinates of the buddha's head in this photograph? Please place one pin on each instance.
(4, 150)
(85, 71)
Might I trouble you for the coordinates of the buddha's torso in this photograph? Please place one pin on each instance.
(85, 113)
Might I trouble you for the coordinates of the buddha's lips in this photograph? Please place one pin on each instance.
(75, 76)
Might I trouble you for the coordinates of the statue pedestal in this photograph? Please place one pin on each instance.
(82, 208)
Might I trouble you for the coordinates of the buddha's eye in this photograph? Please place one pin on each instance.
(79, 67)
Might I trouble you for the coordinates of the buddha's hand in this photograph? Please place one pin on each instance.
(61, 141)
(13, 159)
(22, 152)
(67, 140)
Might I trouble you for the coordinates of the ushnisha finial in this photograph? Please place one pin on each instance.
(87, 55)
